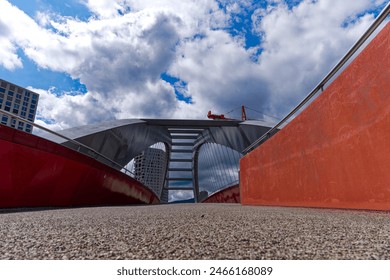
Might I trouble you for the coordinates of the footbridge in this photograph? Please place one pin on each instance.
(197, 156)
(332, 153)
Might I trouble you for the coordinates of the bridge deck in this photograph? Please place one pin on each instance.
(194, 231)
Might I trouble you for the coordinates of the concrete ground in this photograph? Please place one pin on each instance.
(194, 231)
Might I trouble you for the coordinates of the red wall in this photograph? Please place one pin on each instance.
(228, 195)
(37, 172)
(336, 153)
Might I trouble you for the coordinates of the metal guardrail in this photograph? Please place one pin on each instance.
(94, 152)
(380, 18)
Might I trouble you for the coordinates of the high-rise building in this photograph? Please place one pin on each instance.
(18, 101)
(149, 168)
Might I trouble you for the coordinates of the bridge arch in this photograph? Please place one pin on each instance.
(123, 140)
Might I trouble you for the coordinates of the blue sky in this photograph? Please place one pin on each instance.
(94, 60)
(73, 8)
(31, 74)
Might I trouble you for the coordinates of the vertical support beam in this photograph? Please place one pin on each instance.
(167, 157)
(195, 174)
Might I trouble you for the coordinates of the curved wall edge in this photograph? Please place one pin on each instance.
(228, 195)
(35, 172)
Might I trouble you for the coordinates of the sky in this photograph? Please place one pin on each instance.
(97, 60)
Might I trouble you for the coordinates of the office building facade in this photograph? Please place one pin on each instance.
(20, 102)
(149, 168)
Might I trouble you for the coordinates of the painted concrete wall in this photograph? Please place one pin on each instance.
(228, 195)
(336, 153)
(37, 172)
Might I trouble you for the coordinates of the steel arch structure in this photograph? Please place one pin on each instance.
(122, 140)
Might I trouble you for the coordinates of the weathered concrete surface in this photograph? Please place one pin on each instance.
(336, 152)
(194, 231)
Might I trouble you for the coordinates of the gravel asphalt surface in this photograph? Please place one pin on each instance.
(193, 231)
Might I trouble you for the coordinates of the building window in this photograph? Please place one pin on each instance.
(18, 101)
(4, 120)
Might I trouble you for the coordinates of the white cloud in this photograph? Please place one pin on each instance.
(119, 59)
(105, 8)
(120, 53)
(59, 112)
(220, 73)
(8, 57)
(301, 45)
(180, 195)
(196, 16)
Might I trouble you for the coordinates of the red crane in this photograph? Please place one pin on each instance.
(222, 116)
(215, 117)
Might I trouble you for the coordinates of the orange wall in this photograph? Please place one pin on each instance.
(336, 153)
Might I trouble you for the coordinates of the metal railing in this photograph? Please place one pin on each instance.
(378, 21)
(95, 154)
